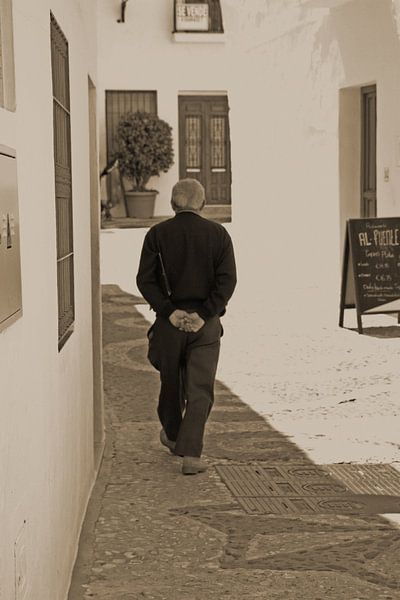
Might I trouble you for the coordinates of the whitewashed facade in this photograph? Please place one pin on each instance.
(293, 71)
(47, 454)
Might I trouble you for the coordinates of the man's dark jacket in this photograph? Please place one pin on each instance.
(199, 263)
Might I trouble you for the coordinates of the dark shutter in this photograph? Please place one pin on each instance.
(63, 182)
(214, 7)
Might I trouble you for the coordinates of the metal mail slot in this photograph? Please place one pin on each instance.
(10, 264)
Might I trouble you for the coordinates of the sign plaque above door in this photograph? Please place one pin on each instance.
(191, 17)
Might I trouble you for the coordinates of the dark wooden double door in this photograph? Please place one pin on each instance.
(204, 145)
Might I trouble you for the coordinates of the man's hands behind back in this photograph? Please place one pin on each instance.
(184, 321)
(193, 322)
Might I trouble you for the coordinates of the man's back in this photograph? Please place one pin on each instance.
(199, 263)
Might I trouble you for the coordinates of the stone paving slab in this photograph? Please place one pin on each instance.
(151, 533)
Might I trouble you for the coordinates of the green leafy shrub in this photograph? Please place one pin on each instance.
(144, 147)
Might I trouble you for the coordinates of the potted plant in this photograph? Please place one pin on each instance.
(144, 150)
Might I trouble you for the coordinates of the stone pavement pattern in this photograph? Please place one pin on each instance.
(152, 533)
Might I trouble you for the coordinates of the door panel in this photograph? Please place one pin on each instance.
(204, 145)
(368, 158)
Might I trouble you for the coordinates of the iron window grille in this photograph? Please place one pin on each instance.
(118, 104)
(215, 23)
(63, 182)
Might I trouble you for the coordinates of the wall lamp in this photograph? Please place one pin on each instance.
(123, 7)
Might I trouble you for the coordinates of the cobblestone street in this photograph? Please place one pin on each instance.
(152, 533)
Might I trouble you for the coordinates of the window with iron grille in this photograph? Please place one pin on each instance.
(63, 182)
(121, 102)
(7, 76)
(118, 104)
(198, 16)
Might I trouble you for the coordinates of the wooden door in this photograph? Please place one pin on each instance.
(204, 145)
(368, 152)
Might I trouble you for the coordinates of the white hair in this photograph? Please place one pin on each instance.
(188, 194)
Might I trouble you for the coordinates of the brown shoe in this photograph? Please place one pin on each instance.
(192, 465)
(166, 441)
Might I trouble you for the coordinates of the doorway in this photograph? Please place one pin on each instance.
(204, 145)
(368, 152)
(357, 154)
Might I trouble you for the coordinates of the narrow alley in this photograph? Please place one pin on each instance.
(286, 115)
(152, 533)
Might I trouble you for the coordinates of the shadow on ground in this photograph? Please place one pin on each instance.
(152, 533)
(392, 331)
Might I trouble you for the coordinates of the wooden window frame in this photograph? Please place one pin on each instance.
(7, 68)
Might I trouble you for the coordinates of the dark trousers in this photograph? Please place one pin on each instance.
(187, 363)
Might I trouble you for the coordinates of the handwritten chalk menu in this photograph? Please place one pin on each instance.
(371, 268)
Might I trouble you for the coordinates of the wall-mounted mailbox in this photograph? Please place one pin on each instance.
(10, 265)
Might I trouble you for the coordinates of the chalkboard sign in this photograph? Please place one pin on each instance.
(371, 267)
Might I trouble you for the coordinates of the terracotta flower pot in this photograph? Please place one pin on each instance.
(140, 205)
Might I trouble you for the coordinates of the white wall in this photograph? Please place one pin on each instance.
(373, 56)
(265, 67)
(46, 445)
(283, 65)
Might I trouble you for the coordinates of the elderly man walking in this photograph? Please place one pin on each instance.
(187, 274)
